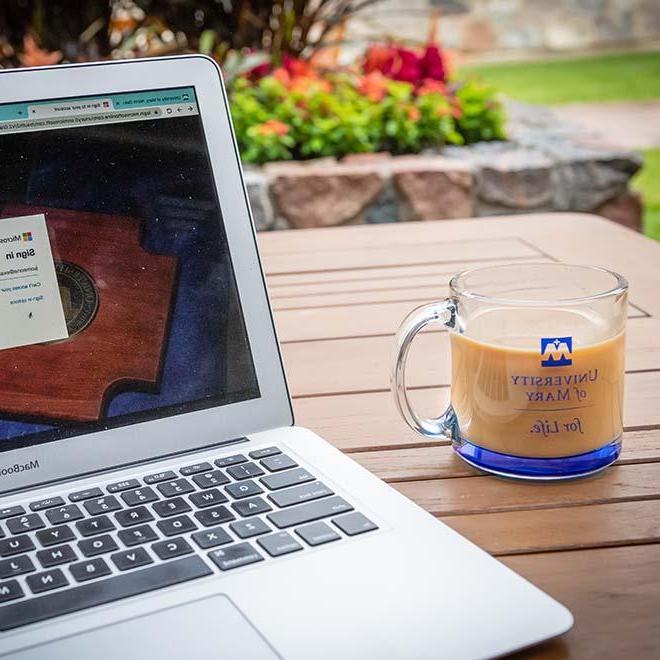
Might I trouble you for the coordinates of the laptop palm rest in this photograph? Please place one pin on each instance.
(211, 628)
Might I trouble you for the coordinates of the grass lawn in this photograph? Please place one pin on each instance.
(618, 77)
(593, 79)
(648, 183)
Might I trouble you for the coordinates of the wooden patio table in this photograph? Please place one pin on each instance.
(339, 295)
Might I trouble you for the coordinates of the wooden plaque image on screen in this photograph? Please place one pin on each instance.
(121, 348)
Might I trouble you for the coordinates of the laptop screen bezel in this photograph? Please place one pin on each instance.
(91, 452)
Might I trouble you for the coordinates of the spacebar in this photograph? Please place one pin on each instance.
(103, 591)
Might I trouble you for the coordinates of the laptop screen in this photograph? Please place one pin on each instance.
(118, 301)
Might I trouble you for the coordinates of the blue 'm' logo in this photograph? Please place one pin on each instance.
(556, 351)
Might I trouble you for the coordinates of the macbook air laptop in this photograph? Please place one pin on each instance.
(156, 498)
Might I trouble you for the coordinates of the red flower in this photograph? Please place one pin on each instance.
(258, 72)
(379, 59)
(297, 67)
(432, 63)
(407, 66)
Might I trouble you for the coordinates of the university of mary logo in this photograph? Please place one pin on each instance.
(556, 351)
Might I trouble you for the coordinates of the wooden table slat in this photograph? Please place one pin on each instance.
(438, 461)
(448, 497)
(370, 420)
(429, 252)
(598, 525)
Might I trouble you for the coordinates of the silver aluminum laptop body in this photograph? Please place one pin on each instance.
(331, 562)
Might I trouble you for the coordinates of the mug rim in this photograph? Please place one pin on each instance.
(458, 289)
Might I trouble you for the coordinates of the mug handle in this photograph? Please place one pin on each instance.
(443, 312)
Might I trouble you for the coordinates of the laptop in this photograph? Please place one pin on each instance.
(156, 498)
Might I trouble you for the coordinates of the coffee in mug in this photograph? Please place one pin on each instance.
(537, 355)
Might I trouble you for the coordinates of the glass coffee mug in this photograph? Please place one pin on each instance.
(537, 354)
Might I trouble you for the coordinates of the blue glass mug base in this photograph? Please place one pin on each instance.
(564, 467)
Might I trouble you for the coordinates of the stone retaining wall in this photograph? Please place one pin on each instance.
(546, 165)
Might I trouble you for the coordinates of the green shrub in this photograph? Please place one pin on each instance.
(283, 117)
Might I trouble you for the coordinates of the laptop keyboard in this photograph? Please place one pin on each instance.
(85, 548)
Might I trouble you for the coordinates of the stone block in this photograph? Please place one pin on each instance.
(367, 159)
(515, 181)
(588, 178)
(433, 188)
(626, 209)
(324, 196)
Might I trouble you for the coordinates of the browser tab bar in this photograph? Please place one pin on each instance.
(65, 108)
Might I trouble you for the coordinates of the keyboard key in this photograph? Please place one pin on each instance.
(297, 515)
(251, 507)
(55, 535)
(250, 527)
(278, 463)
(354, 524)
(314, 490)
(102, 505)
(211, 479)
(263, 453)
(286, 479)
(214, 516)
(46, 581)
(317, 534)
(61, 554)
(137, 535)
(122, 485)
(139, 496)
(127, 559)
(245, 471)
(176, 487)
(172, 507)
(93, 526)
(10, 511)
(278, 544)
(16, 545)
(89, 569)
(15, 566)
(234, 556)
(168, 475)
(244, 489)
(47, 503)
(114, 588)
(230, 460)
(86, 494)
(174, 526)
(208, 498)
(64, 514)
(97, 546)
(136, 516)
(195, 468)
(9, 591)
(26, 523)
(172, 548)
(210, 538)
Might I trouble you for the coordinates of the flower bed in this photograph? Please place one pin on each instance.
(395, 100)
